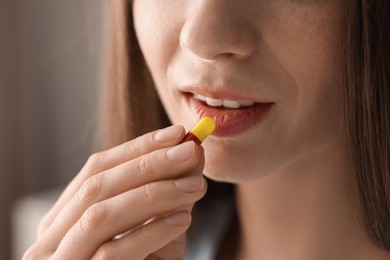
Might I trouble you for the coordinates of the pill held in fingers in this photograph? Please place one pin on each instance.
(200, 131)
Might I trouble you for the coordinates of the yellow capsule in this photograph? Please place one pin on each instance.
(201, 131)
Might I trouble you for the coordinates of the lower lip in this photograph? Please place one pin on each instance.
(230, 122)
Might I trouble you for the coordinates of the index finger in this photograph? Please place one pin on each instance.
(137, 147)
(108, 159)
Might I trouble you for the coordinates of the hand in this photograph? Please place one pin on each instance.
(130, 202)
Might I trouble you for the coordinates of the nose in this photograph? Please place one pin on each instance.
(215, 29)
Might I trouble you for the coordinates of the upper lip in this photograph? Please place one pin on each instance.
(223, 94)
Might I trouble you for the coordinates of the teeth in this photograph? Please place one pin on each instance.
(231, 104)
(214, 102)
(246, 103)
(226, 103)
(200, 97)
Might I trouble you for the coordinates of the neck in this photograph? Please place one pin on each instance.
(303, 211)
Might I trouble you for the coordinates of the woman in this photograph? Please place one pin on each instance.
(299, 91)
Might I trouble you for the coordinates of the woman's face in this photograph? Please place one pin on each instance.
(270, 72)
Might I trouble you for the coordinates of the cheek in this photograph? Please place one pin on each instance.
(158, 37)
(308, 45)
(310, 52)
(305, 47)
(157, 33)
(309, 117)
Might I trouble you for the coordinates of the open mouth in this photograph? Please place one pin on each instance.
(232, 116)
(224, 103)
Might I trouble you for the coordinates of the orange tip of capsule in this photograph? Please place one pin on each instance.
(201, 130)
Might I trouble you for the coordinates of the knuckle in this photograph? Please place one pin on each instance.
(95, 162)
(34, 252)
(134, 146)
(90, 189)
(150, 192)
(43, 226)
(144, 165)
(31, 253)
(93, 218)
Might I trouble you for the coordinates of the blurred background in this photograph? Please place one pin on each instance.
(50, 59)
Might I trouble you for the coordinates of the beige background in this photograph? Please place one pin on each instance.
(50, 52)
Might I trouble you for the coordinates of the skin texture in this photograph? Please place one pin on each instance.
(284, 51)
(291, 170)
(142, 190)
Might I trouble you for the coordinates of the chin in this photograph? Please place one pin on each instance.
(231, 171)
(229, 162)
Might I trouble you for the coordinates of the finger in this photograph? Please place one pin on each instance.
(187, 207)
(148, 239)
(173, 250)
(114, 216)
(158, 165)
(155, 166)
(105, 160)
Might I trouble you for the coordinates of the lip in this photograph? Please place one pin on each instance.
(230, 122)
(220, 94)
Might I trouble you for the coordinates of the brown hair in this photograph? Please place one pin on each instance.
(131, 106)
(367, 111)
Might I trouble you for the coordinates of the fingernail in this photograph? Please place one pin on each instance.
(178, 219)
(181, 152)
(190, 184)
(169, 133)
